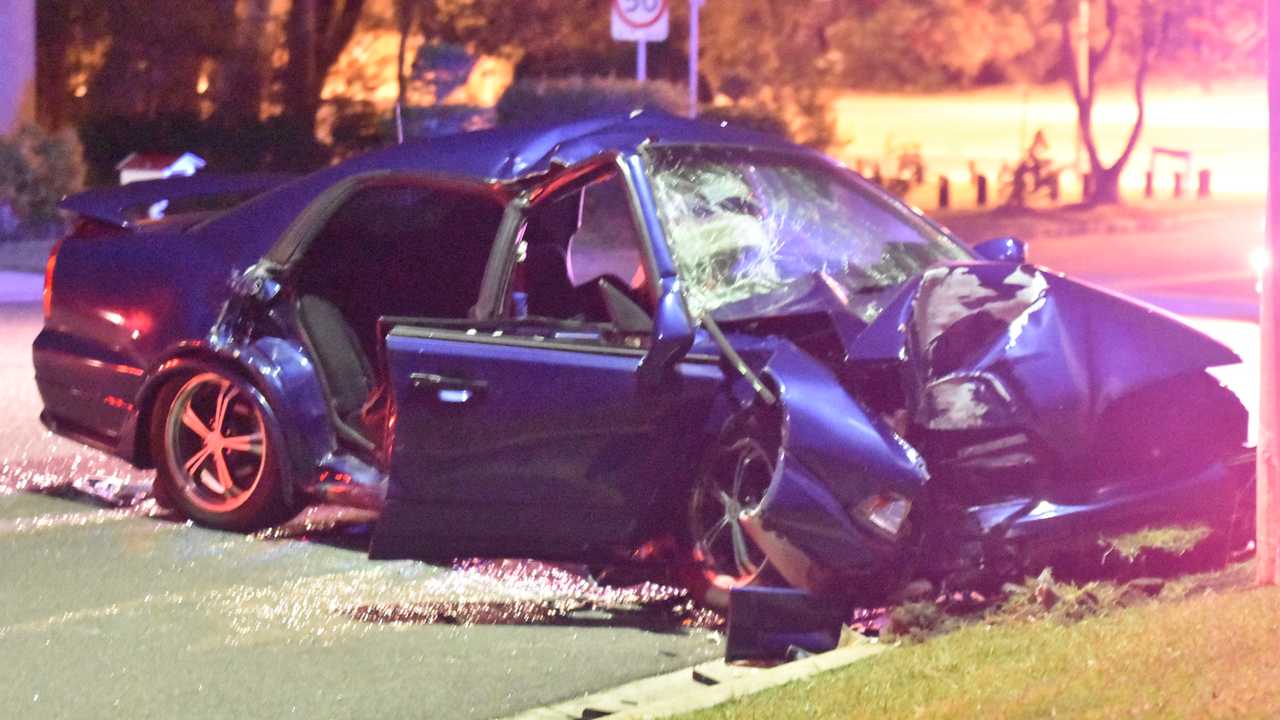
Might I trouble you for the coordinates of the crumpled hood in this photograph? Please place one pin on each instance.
(992, 345)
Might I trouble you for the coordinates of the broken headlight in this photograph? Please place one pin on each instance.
(886, 512)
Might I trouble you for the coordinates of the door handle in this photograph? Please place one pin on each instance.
(454, 391)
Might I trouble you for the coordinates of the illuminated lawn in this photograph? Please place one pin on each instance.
(1216, 654)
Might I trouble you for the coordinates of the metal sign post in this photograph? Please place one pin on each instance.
(695, 6)
(1268, 542)
(640, 22)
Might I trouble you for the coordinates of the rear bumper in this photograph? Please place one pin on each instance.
(71, 431)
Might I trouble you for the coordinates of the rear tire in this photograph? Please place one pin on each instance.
(217, 451)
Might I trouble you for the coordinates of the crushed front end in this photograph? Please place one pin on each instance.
(994, 418)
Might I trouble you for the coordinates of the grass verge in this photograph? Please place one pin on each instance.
(1207, 647)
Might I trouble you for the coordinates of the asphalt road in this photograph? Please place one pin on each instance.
(1195, 258)
(110, 611)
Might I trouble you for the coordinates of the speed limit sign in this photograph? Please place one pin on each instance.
(640, 20)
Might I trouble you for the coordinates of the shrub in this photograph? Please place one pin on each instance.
(360, 128)
(433, 120)
(565, 98)
(37, 169)
(544, 100)
(751, 118)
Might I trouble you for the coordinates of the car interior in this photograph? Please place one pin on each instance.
(579, 251)
(404, 249)
(415, 253)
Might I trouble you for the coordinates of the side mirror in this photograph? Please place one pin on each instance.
(672, 336)
(1002, 249)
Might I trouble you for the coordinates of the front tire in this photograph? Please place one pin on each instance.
(733, 478)
(217, 452)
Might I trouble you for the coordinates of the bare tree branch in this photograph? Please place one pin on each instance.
(1098, 57)
(1150, 43)
(1069, 57)
(342, 18)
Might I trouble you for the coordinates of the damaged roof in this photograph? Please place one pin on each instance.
(506, 154)
(503, 154)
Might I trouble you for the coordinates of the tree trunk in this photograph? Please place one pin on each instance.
(53, 34)
(245, 76)
(316, 33)
(301, 96)
(1103, 187)
(404, 18)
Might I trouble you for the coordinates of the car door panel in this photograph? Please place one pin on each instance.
(511, 444)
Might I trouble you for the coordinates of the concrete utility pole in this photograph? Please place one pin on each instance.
(17, 64)
(1268, 452)
(1082, 70)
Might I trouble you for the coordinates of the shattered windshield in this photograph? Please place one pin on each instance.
(753, 233)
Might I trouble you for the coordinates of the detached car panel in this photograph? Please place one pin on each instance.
(628, 339)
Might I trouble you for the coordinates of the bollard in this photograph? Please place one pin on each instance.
(944, 192)
(1177, 185)
(858, 167)
(1150, 190)
(1203, 189)
(876, 177)
(982, 190)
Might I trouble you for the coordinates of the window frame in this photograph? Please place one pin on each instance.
(294, 244)
(495, 302)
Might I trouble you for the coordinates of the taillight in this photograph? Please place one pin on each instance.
(82, 229)
(48, 278)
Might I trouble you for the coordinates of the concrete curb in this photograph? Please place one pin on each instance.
(696, 688)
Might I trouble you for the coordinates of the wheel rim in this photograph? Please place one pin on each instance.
(215, 443)
(728, 491)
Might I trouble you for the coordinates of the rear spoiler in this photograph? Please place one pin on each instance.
(128, 205)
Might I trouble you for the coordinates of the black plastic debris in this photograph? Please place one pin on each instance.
(781, 624)
(115, 492)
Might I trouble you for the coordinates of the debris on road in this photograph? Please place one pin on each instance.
(772, 623)
(112, 491)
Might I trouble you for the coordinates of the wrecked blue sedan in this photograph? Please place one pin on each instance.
(627, 341)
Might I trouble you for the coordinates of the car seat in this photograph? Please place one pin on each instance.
(547, 282)
(344, 366)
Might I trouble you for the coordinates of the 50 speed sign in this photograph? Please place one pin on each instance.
(640, 20)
